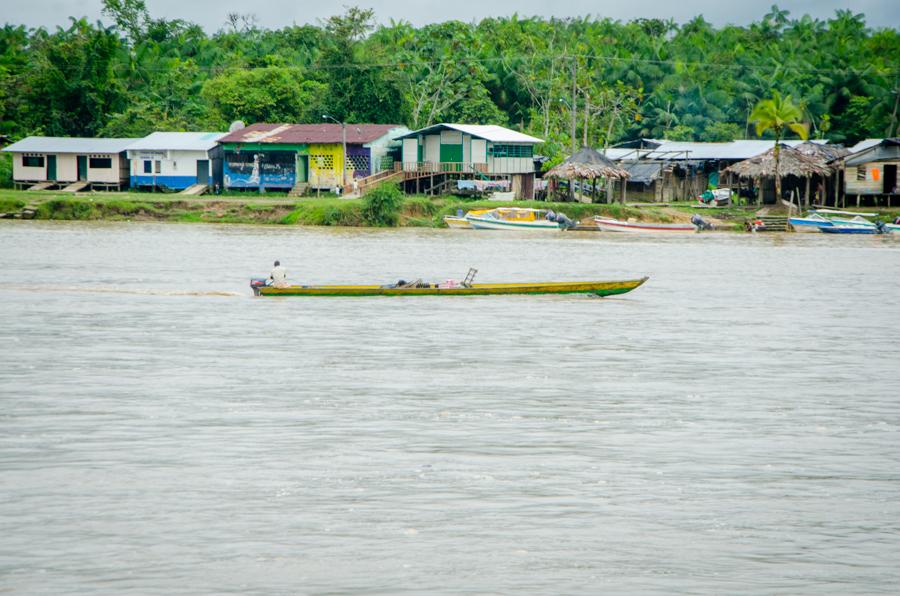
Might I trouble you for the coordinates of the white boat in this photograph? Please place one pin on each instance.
(512, 218)
(810, 223)
(614, 225)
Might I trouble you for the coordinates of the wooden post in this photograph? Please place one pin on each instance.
(624, 182)
(806, 194)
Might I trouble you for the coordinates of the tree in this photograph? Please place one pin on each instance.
(778, 114)
(130, 16)
(271, 94)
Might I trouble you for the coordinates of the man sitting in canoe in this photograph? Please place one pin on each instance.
(278, 277)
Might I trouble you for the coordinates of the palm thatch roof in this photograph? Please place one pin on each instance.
(792, 163)
(821, 151)
(587, 163)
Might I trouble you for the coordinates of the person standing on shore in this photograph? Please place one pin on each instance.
(278, 277)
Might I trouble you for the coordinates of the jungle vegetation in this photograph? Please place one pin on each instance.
(648, 77)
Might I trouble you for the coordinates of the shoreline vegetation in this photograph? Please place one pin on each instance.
(400, 211)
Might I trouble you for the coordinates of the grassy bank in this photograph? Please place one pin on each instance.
(417, 211)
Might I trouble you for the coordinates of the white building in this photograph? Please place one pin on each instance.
(176, 160)
(64, 161)
(473, 150)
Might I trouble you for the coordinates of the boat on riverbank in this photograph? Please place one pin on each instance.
(460, 222)
(614, 225)
(815, 220)
(513, 218)
(597, 288)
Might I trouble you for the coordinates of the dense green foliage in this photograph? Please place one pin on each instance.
(647, 77)
(381, 205)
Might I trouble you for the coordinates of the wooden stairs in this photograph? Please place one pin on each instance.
(195, 189)
(42, 186)
(369, 182)
(75, 186)
(774, 223)
(299, 189)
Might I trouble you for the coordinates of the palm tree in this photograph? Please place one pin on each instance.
(776, 114)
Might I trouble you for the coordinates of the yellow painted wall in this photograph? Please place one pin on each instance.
(325, 172)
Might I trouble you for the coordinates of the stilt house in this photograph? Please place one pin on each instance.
(471, 151)
(285, 156)
(872, 172)
(176, 160)
(70, 162)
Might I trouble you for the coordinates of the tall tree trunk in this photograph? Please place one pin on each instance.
(778, 170)
(574, 102)
(587, 111)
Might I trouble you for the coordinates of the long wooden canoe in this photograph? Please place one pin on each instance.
(598, 288)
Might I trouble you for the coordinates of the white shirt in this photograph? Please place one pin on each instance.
(279, 277)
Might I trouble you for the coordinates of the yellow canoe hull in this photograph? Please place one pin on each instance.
(598, 288)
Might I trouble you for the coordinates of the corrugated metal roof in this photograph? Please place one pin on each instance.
(490, 132)
(325, 132)
(863, 145)
(641, 171)
(69, 145)
(884, 150)
(682, 150)
(177, 141)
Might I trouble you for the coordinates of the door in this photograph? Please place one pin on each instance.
(51, 167)
(890, 178)
(82, 167)
(202, 171)
(302, 168)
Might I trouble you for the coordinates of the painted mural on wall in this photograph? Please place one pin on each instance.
(255, 169)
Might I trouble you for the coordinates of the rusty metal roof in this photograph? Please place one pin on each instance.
(325, 132)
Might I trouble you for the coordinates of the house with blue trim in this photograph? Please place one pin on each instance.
(176, 160)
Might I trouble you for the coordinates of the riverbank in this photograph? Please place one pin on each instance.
(415, 211)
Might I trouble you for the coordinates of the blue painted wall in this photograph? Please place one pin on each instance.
(174, 182)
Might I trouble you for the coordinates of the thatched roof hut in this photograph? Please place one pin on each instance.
(587, 164)
(822, 151)
(791, 163)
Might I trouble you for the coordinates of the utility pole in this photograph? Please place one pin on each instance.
(574, 98)
(343, 144)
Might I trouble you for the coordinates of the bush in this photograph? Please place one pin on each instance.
(6, 180)
(381, 206)
(67, 209)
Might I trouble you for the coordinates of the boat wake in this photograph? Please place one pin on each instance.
(132, 291)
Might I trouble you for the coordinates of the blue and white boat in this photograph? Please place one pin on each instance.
(849, 229)
(810, 223)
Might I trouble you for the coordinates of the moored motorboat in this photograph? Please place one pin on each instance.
(459, 221)
(849, 229)
(614, 225)
(810, 223)
(513, 218)
(597, 288)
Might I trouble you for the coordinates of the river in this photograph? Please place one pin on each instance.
(732, 426)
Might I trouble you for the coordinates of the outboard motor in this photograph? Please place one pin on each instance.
(879, 226)
(700, 223)
(258, 282)
(561, 218)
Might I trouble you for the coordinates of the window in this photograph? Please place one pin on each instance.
(100, 163)
(359, 163)
(33, 161)
(323, 161)
(860, 174)
(157, 167)
(148, 167)
(512, 151)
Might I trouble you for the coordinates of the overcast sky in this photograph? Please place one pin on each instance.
(278, 13)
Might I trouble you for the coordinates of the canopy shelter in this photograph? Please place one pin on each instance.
(791, 162)
(588, 164)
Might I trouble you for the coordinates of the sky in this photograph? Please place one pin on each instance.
(273, 14)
